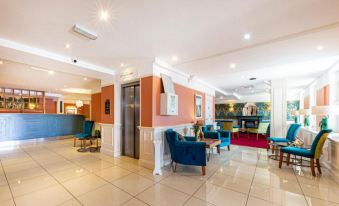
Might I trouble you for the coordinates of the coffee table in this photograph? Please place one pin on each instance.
(210, 144)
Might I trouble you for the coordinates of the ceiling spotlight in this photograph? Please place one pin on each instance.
(247, 36)
(67, 46)
(85, 78)
(319, 48)
(174, 58)
(50, 72)
(252, 78)
(233, 65)
(122, 65)
(1, 62)
(221, 97)
(104, 15)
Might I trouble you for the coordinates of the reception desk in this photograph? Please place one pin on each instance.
(28, 126)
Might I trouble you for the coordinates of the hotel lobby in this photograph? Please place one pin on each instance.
(155, 103)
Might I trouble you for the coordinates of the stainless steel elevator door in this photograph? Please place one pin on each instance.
(131, 114)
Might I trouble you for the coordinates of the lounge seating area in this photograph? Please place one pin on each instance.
(169, 103)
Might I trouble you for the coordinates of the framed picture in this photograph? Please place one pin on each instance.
(198, 106)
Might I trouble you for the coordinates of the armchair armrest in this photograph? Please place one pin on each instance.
(212, 135)
(190, 138)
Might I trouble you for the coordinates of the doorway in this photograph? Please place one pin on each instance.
(130, 119)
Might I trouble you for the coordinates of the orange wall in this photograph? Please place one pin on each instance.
(146, 101)
(50, 106)
(150, 104)
(323, 96)
(307, 102)
(107, 93)
(96, 107)
(84, 110)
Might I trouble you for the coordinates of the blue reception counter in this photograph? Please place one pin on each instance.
(28, 126)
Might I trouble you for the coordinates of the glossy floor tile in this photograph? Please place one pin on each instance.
(54, 173)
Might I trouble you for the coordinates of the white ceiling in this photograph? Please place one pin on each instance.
(205, 35)
(22, 76)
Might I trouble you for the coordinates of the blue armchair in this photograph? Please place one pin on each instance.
(313, 153)
(290, 136)
(224, 136)
(87, 131)
(187, 151)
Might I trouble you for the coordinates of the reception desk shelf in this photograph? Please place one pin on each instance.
(21, 101)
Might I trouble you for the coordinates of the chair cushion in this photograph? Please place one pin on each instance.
(297, 151)
(278, 139)
(82, 135)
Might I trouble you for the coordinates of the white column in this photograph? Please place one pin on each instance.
(278, 108)
(157, 157)
(117, 117)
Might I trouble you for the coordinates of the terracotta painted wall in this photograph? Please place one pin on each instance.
(50, 106)
(307, 102)
(107, 93)
(323, 96)
(96, 107)
(150, 104)
(146, 101)
(84, 110)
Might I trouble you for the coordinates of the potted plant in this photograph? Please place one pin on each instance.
(97, 133)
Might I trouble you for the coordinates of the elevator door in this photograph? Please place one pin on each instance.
(130, 117)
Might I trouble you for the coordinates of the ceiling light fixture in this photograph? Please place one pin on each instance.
(84, 32)
(174, 58)
(252, 78)
(67, 46)
(247, 36)
(122, 65)
(320, 48)
(104, 15)
(233, 65)
(1, 62)
(50, 72)
(85, 78)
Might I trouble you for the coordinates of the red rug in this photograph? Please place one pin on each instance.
(249, 140)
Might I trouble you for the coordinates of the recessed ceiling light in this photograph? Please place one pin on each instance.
(67, 46)
(221, 97)
(233, 65)
(252, 78)
(319, 48)
(104, 15)
(174, 58)
(247, 36)
(50, 72)
(122, 65)
(85, 78)
(1, 62)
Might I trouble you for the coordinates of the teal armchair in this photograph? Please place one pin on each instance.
(313, 153)
(290, 136)
(224, 136)
(87, 131)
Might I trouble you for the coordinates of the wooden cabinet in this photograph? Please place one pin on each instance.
(21, 101)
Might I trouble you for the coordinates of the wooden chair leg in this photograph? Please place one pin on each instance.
(203, 169)
(257, 136)
(273, 148)
(228, 147)
(238, 134)
(288, 159)
(318, 165)
(75, 141)
(281, 159)
(312, 167)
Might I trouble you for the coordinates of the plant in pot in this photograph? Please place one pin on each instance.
(97, 133)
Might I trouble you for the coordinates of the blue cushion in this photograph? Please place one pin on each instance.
(82, 135)
(278, 139)
(297, 151)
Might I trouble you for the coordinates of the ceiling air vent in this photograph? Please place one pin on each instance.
(84, 32)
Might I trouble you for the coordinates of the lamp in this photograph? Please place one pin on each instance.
(79, 103)
(322, 111)
(306, 113)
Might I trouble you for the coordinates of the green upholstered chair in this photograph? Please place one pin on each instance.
(262, 129)
(314, 153)
(228, 126)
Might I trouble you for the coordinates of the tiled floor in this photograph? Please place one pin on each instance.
(54, 173)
